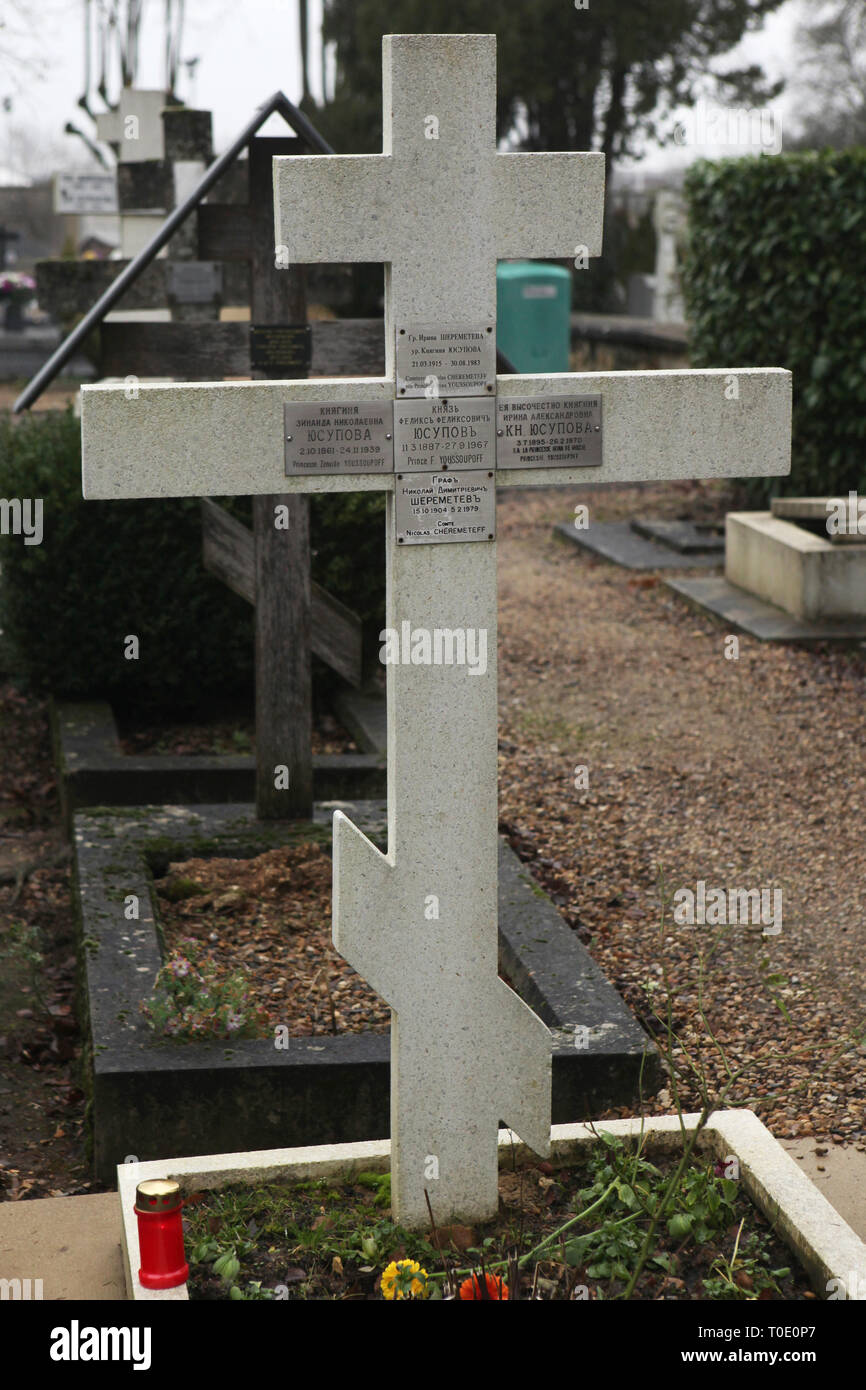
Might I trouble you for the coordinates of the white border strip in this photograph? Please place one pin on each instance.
(825, 1244)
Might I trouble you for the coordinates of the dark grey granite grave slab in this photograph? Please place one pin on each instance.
(153, 1099)
(687, 537)
(93, 771)
(619, 542)
(747, 613)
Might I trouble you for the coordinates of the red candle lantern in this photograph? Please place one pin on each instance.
(158, 1205)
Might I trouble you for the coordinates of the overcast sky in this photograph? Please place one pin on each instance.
(247, 49)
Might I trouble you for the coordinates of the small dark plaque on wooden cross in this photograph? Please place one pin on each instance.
(281, 350)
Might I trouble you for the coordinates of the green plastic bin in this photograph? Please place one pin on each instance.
(533, 311)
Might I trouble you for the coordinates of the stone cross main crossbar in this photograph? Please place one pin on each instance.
(438, 207)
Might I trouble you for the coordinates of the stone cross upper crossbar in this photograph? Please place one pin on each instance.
(439, 206)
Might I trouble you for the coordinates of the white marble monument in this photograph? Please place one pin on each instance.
(439, 432)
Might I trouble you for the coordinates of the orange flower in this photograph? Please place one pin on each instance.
(497, 1289)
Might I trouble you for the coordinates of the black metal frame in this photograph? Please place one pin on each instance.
(277, 103)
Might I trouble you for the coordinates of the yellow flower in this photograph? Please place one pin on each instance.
(404, 1279)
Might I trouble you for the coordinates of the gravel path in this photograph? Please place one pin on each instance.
(746, 773)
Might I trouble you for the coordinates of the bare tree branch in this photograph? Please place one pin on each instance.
(831, 77)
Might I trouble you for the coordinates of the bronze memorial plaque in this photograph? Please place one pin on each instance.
(456, 361)
(434, 507)
(339, 437)
(548, 432)
(453, 433)
(281, 350)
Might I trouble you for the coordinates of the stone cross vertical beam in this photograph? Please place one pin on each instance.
(439, 206)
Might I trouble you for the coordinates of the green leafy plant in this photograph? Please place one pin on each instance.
(21, 954)
(745, 1275)
(772, 278)
(380, 1183)
(225, 1261)
(254, 1292)
(190, 1001)
(708, 1205)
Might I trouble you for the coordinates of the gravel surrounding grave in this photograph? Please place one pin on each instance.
(745, 773)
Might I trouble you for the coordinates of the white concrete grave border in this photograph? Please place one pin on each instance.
(801, 573)
(825, 1245)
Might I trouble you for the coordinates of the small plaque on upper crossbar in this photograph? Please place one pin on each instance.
(434, 507)
(339, 437)
(548, 432)
(449, 433)
(459, 360)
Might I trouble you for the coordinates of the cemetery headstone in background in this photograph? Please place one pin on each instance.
(794, 574)
(6, 236)
(162, 152)
(669, 217)
(439, 206)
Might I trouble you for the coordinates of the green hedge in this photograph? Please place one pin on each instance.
(108, 569)
(774, 277)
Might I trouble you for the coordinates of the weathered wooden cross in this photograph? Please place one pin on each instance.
(255, 561)
(438, 432)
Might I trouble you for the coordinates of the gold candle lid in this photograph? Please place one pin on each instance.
(157, 1195)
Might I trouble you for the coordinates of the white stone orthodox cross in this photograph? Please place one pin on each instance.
(438, 207)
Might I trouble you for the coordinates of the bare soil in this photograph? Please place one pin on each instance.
(41, 1101)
